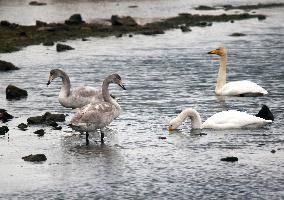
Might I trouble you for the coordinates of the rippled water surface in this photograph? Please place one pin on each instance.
(163, 75)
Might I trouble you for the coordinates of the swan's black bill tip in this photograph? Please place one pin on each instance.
(123, 87)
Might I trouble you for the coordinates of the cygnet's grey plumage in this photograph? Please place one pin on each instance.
(77, 97)
(98, 115)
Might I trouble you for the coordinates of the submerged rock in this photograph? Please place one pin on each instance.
(35, 158)
(7, 66)
(123, 21)
(23, 126)
(36, 3)
(39, 132)
(4, 116)
(230, 159)
(63, 47)
(75, 19)
(238, 34)
(3, 130)
(13, 92)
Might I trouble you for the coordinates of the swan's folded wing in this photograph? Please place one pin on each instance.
(242, 87)
(86, 91)
(95, 114)
(233, 119)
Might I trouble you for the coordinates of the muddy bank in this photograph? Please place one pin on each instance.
(13, 36)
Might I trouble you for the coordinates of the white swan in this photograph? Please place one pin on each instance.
(77, 97)
(230, 119)
(98, 115)
(236, 88)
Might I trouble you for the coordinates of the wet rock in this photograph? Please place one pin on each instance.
(23, 126)
(232, 21)
(47, 119)
(152, 32)
(35, 158)
(63, 47)
(7, 66)
(4, 116)
(39, 132)
(130, 35)
(40, 23)
(238, 34)
(228, 7)
(133, 6)
(48, 43)
(123, 21)
(3, 130)
(36, 3)
(230, 159)
(13, 92)
(203, 7)
(185, 28)
(162, 137)
(203, 23)
(5, 23)
(273, 151)
(85, 39)
(75, 19)
(57, 128)
(23, 34)
(53, 117)
(261, 17)
(119, 35)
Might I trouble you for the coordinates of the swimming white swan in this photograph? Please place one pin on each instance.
(98, 115)
(230, 119)
(236, 88)
(77, 97)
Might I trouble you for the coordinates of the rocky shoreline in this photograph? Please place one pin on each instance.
(13, 36)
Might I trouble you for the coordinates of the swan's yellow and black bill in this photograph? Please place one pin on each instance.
(215, 51)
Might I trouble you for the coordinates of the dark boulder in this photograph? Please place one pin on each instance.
(203, 7)
(230, 159)
(7, 66)
(273, 151)
(4, 116)
(39, 132)
(13, 92)
(3, 130)
(35, 158)
(36, 3)
(5, 23)
(63, 47)
(238, 34)
(185, 28)
(40, 23)
(48, 43)
(48, 119)
(152, 32)
(122, 21)
(75, 19)
(23, 126)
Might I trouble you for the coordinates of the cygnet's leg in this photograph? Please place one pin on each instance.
(102, 136)
(87, 138)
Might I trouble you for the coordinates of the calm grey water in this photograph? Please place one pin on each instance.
(163, 75)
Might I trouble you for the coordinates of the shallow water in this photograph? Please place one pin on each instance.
(163, 74)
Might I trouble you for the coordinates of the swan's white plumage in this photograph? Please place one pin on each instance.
(234, 119)
(236, 88)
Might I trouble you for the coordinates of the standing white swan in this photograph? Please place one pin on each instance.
(77, 97)
(98, 115)
(236, 88)
(230, 119)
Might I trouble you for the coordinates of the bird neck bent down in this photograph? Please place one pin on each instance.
(196, 122)
(221, 79)
(65, 89)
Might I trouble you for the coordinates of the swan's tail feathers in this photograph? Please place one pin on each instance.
(265, 113)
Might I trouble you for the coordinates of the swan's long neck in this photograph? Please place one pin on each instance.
(221, 79)
(106, 95)
(196, 122)
(65, 89)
